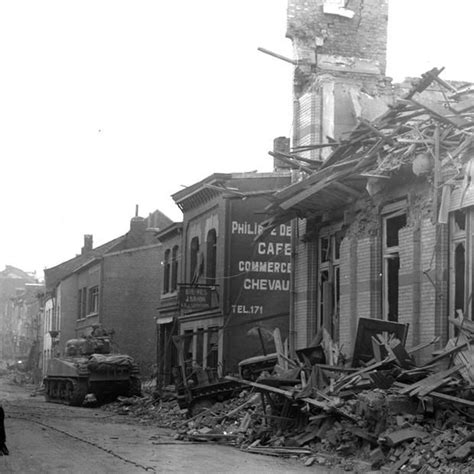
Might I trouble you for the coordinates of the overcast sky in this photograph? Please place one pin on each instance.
(105, 104)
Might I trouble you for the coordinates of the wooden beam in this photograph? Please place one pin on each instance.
(278, 56)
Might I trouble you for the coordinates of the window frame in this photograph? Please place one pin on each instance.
(389, 254)
(330, 266)
(93, 300)
(463, 237)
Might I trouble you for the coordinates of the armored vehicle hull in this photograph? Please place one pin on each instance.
(68, 380)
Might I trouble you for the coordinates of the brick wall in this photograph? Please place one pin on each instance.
(348, 296)
(131, 290)
(363, 36)
(304, 296)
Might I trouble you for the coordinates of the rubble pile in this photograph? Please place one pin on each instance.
(388, 413)
(149, 410)
(391, 414)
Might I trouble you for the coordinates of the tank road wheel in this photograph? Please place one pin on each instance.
(78, 394)
(69, 391)
(134, 387)
(47, 390)
(55, 390)
(62, 390)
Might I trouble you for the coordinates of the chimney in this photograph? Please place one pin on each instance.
(87, 244)
(281, 144)
(138, 226)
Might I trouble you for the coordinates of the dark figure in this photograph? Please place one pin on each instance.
(3, 446)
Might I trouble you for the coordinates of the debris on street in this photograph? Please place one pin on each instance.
(391, 413)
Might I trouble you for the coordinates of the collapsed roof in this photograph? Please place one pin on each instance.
(428, 132)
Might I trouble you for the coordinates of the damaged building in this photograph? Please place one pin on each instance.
(382, 214)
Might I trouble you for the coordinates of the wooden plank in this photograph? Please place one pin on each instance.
(279, 349)
(441, 113)
(422, 346)
(260, 386)
(428, 381)
(444, 396)
(463, 106)
(447, 353)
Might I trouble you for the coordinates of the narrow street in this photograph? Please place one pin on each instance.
(51, 438)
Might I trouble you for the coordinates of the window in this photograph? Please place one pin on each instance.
(211, 254)
(174, 268)
(199, 346)
(166, 272)
(392, 223)
(94, 300)
(461, 265)
(194, 260)
(212, 348)
(328, 280)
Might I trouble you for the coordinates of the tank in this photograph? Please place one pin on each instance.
(89, 367)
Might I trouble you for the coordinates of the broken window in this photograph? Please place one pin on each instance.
(392, 224)
(211, 254)
(329, 243)
(461, 265)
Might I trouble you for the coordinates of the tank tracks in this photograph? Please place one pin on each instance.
(65, 390)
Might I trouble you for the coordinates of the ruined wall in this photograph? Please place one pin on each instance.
(304, 295)
(347, 28)
(340, 53)
(423, 284)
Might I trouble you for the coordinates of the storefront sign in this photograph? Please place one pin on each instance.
(195, 297)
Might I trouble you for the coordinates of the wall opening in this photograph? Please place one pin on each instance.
(329, 244)
(194, 258)
(392, 224)
(211, 257)
(461, 266)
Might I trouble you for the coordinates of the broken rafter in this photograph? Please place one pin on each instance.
(278, 56)
(288, 159)
(316, 146)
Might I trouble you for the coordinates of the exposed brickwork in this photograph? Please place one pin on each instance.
(364, 36)
(442, 252)
(348, 295)
(305, 289)
(408, 274)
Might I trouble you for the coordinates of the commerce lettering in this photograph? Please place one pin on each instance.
(269, 267)
(263, 284)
